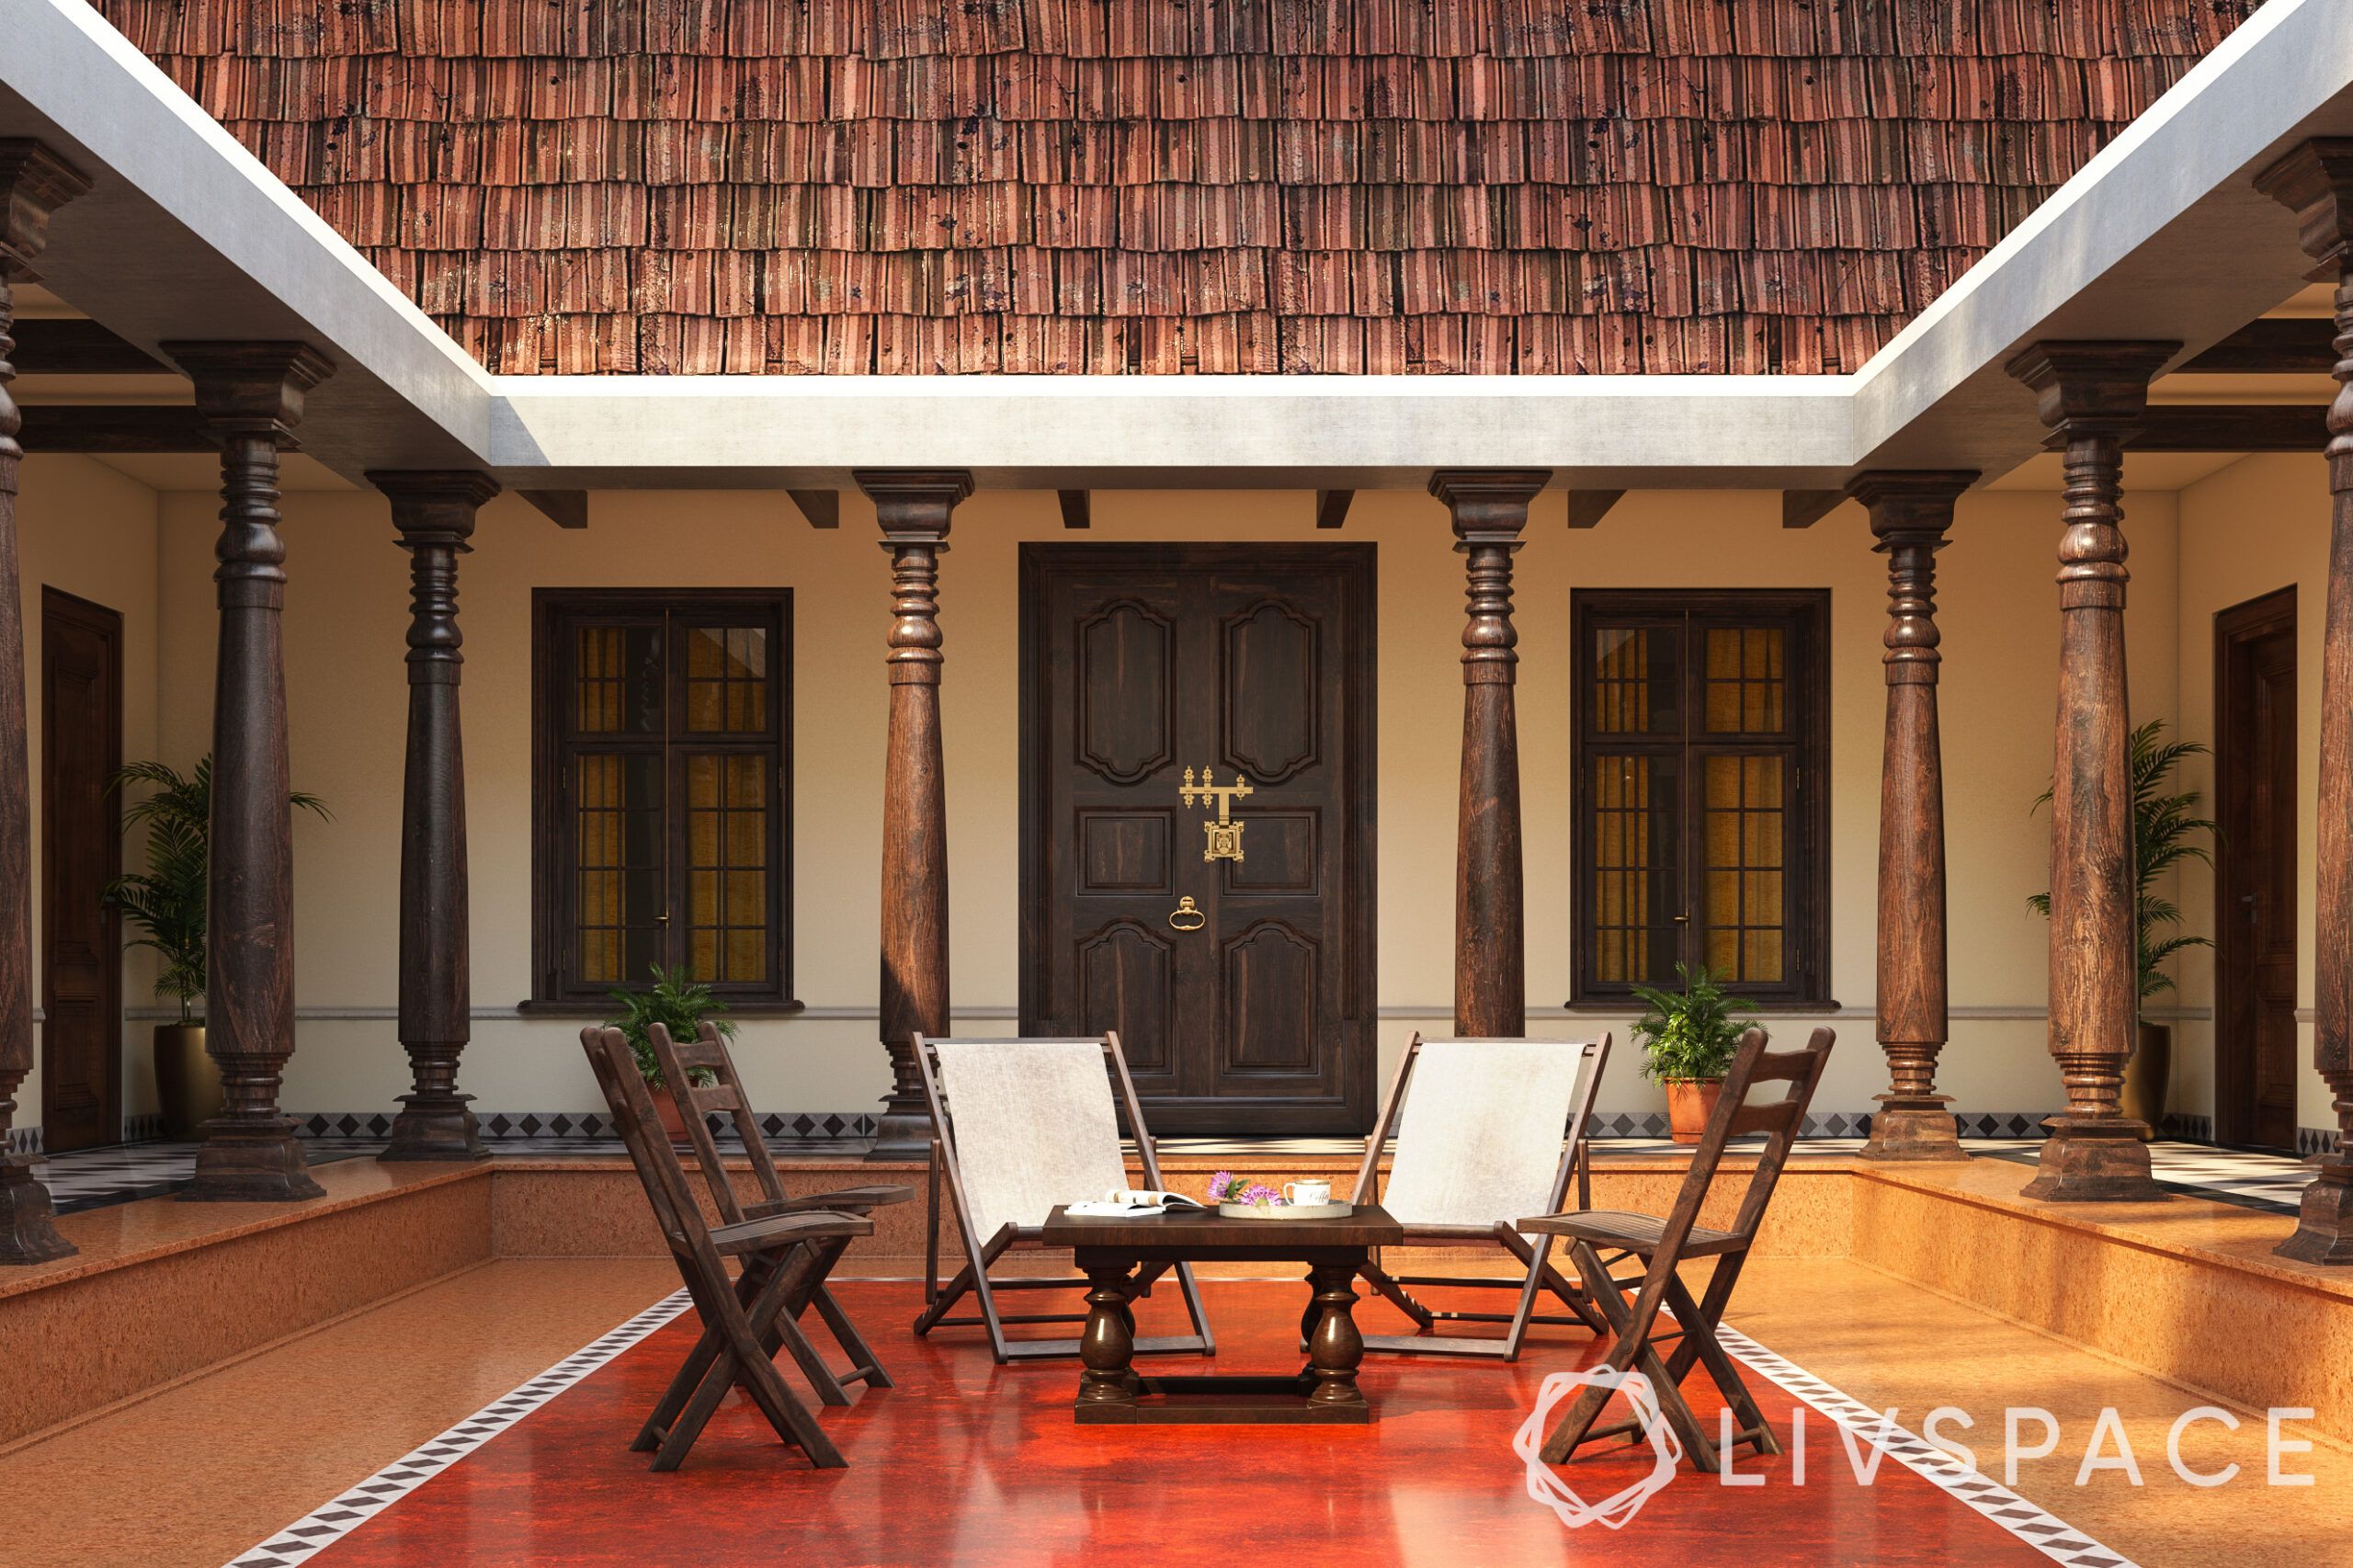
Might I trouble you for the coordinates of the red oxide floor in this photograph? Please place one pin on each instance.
(968, 1462)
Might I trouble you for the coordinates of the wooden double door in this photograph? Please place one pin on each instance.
(2257, 1063)
(80, 1087)
(1249, 1010)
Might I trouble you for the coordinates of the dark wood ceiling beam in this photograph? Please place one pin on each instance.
(2231, 427)
(564, 508)
(1076, 511)
(1587, 508)
(115, 429)
(1804, 508)
(1332, 507)
(80, 349)
(823, 508)
(2275, 345)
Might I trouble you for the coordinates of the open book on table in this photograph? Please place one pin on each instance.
(1129, 1203)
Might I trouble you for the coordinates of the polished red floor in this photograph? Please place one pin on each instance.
(968, 1462)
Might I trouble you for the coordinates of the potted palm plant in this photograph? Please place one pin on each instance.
(168, 903)
(679, 1004)
(2165, 831)
(1688, 1039)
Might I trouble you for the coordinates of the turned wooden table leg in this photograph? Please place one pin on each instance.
(1106, 1387)
(1335, 1350)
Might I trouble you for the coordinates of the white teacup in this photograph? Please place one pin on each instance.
(1307, 1194)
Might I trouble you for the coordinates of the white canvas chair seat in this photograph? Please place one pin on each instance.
(1019, 1126)
(1483, 1127)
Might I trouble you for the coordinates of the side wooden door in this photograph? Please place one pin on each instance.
(80, 1087)
(1251, 1012)
(2255, 1066)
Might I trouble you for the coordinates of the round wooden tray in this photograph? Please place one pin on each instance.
(1286, 1211)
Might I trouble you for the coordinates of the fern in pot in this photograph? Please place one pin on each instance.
(168, 903)
(1688, 1039)
(680, 1005)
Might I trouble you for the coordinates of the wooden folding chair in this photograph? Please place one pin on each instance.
(1479, 1127)
(742, 1317)
(720, 1092)
(1663, 1245)
(1018, 1126)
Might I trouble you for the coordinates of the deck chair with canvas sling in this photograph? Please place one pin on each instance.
(1019, 1126)
(782, 1257)
(1479, 1127)
(702, 1079)
(1600, 1237)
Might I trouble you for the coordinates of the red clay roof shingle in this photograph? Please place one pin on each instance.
(845, 186)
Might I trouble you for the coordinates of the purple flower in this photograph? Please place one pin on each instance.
(1260, 1192)
(1220, 1185)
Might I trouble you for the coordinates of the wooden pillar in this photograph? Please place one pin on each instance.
(2091, 395)
(1910, 513)
(33, 183)
(434, 513)
(913, 508)
(249, 396)
(1489, 509)
(2316, 181)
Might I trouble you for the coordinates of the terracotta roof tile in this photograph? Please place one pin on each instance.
(1174, 187)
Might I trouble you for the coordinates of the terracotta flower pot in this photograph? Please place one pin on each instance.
(667, 1110)
(1690, 1103)
(187, 1081)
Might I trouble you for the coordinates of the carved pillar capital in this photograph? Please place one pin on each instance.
(1910, 513)
(1489, 510)
(2315, 182)
(34, 182)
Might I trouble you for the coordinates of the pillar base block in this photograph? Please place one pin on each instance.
(903, 1134)
(251, 1162)
(1914, 1127)
(27, 1227)
(2094, 1160)
(436, 1129)
(2325, 1220)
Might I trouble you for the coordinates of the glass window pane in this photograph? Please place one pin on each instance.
(1634, 681)
(727, 689)
(1747, 681)
(1634, 806)
(617, 847)
(727, 849)
(618, 680)
(1743, 907)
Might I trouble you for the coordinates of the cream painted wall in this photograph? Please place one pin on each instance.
(88, 531)
(346, 615)
(2257, 526)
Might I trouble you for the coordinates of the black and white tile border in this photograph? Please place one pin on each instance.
(332, 1521)
(545, 1126)
(2054, 1538)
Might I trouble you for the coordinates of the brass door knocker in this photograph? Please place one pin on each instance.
(1186, 910)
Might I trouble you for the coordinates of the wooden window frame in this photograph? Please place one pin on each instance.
(1806, 856)
(554, 611)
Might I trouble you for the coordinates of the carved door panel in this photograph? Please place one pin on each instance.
(2257, 1062)
(80, 839)
(1251, 1010)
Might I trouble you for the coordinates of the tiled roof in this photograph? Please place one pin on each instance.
(1166, 186)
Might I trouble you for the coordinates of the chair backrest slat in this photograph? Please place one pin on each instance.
(1025, 1124)
(707, 1053)
(640, 1126)
(1486, 1130)
(1780, 1119)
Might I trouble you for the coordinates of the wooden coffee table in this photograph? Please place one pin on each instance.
(1110, 1252)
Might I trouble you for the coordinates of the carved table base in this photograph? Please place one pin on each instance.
(1111, 1391)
